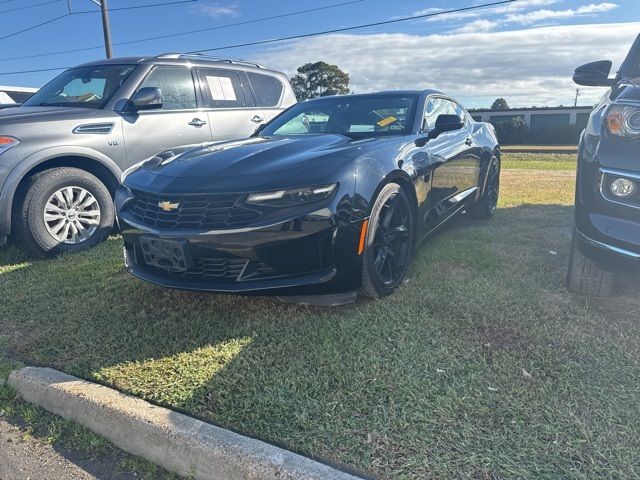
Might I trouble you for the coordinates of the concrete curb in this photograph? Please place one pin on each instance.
(179, 443)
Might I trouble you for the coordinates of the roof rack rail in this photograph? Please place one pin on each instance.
(235, 61)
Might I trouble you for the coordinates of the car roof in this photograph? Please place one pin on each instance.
(424, 93)
(181, 58)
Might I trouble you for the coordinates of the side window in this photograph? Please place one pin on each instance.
(267, 89)
(224, 88)
(439, 106)
(176, 84)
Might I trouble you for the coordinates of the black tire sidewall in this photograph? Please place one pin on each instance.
(372, 285)
(38, 193)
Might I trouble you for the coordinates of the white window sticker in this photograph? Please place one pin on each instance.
(221, 88)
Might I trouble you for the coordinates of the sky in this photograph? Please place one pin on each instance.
(524, 51)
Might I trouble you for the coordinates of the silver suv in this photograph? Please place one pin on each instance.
(62, 152)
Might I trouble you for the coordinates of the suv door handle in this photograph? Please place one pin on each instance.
(468, 141)
(257, 119)
(196, 122)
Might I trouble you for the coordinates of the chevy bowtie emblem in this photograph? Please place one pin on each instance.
(168, 206)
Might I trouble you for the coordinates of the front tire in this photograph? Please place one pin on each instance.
(486, 206)
(63, 210)
(388, 243)
(587, 277)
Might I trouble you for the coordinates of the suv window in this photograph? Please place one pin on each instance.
(439, 106)
(267, 89)
(224, 88)
(176, 84)
(90, 87)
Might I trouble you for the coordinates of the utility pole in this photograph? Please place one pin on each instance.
(575, 102)
(106, 27)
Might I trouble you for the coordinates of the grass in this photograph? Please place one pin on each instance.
(539, 161)
(480, 366)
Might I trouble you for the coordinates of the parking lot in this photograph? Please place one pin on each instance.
(480, 366)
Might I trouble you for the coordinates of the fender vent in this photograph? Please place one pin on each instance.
(96, 128)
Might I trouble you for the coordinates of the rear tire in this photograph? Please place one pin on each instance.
(486, 206)
(388, 243)
(586, 277)
(89, 222)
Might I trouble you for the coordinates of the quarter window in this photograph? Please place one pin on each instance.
(224, 88)
(176, 84)
(267, 89)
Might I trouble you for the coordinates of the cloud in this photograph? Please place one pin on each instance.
(216, 10)
(498, 10)
(528, 67)
(480, 25)
(543, 15)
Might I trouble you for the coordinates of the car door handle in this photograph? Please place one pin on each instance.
(468, 142)
(257, 119)
(196, 122)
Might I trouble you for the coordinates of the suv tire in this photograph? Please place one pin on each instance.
(74, 200)
(585, 276)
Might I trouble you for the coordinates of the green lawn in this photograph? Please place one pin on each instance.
(480, 366)
(539, 161)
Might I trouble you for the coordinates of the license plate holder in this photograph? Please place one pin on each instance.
(172, 255)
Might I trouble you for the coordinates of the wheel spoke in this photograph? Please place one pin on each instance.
(386, 221)
(48, 217)
(83, 193)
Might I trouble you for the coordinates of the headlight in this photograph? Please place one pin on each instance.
(287, 198)
(7, 142)
(623, 121)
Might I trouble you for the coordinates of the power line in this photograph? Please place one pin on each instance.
(135, 7)
(345, 29)
(30, 6)
(34, 26)
(190, 32)
(82, 12)
(325, 32)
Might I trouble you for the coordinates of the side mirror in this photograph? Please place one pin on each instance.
(446, 123)
(594, 74)
(147, 98)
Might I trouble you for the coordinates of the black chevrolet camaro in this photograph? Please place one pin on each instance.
(331, 196)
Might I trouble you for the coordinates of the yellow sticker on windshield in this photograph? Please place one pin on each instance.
(386, 121)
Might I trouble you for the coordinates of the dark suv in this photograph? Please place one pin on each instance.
(63, 151)
(607, 234)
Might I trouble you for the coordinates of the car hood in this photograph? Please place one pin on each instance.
(43, 114)
(258, 162)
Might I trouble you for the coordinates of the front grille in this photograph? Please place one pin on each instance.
(224, 269)
(193, 212)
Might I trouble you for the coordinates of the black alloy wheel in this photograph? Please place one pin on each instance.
(389, 242)
(486, 206)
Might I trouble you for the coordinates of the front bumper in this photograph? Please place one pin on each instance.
(609, 256)
(304, 255)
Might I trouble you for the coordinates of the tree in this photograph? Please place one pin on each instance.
(319, 80)
(500, 104)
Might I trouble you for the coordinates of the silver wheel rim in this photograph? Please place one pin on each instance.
(72, 215)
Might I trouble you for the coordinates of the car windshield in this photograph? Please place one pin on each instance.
(88, 87)
(354, 116)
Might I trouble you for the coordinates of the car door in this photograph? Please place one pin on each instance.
(180, 121)
(231, 107)
(453, 152)
(268, 91)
